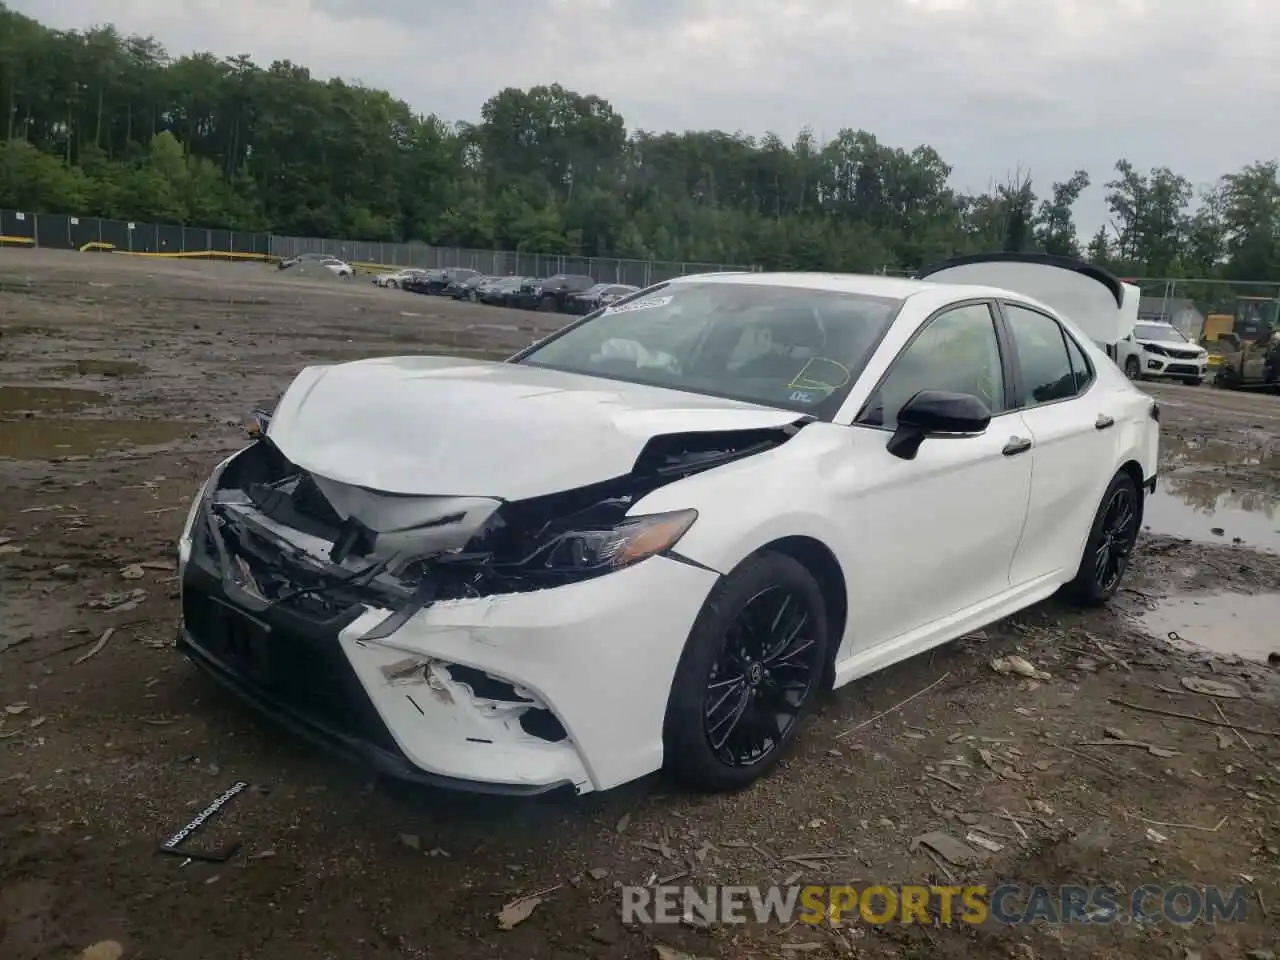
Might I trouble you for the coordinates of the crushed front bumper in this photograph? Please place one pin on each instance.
(519, 693)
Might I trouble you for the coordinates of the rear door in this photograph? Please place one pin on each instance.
(1072, 423)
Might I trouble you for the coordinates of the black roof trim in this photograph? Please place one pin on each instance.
(1113, 284)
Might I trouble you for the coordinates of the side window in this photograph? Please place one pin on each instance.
(1042, 356)
(957, 352)
(1081, 368)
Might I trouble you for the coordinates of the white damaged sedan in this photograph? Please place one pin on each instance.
(655, 537)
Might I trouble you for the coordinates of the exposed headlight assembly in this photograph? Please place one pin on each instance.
(612, 547)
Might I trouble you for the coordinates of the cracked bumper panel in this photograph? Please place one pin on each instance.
(517, 693)
(591, 662)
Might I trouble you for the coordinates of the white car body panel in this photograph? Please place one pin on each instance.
(441, 426)
(930, 548)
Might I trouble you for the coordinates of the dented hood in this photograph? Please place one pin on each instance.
(449, 427)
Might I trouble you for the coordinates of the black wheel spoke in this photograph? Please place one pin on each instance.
(722, 729)
(767, 669)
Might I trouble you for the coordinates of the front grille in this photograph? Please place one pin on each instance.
(300, 667)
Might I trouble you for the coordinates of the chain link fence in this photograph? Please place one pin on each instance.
(494, 263)
(64, 232)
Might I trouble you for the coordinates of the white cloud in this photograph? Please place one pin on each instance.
(1047, 85)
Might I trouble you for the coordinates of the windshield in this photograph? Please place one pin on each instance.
(1157, 331)
(783, 347)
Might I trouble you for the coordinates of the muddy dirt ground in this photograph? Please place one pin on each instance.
(123, 381)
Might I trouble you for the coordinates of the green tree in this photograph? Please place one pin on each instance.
(98, 123)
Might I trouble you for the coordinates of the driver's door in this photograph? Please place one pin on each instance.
(936, 534)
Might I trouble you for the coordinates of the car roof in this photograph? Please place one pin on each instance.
(897, 288)
(934, 294)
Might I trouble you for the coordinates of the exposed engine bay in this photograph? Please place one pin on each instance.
(286, 536)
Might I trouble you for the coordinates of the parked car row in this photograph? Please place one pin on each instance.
(335, 266)
(563, 293)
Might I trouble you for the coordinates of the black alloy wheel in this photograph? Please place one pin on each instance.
(755, 662)
(1110, 545)
(1119, 533)
(762, 678)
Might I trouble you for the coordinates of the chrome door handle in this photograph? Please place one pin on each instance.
(1015, 446)
(1103, 422)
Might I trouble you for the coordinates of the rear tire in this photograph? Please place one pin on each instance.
(1109, 548)
(753, 665)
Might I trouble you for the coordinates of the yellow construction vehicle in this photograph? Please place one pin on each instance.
(1244, 347)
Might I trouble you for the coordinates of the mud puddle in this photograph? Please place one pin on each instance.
(100, 368)
(47, 400)
(1206, 511)
(1219, 453)
(1228, 623)
(40, 439)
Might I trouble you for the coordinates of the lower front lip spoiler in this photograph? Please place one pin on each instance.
(385, 762)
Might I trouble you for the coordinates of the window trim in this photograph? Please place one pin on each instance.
(1020, 392)
(1002, 346)
(1088, 364)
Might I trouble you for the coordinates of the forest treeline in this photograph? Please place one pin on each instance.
(102, 124)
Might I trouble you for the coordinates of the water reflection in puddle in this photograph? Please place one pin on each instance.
(1221, 454)
(1227, 623)
(1194, 509)
(39, 439)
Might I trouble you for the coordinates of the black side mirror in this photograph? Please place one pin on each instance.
(936, 413)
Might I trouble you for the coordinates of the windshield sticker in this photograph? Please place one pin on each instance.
(803, 396)
(648, 303)
(818, 374)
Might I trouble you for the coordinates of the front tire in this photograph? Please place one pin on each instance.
(750, 672)
(1110, 545)
(1132, 369)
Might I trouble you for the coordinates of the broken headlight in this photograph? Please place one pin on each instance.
(612, 547)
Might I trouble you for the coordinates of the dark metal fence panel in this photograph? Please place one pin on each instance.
(82, 231)
(17, 225)
(218, 240)
(169, 239)
(196, 240)
(116, 233)
(54, 231)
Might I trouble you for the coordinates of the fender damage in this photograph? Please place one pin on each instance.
(282, 537)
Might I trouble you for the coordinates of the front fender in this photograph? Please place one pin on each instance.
(745, 505)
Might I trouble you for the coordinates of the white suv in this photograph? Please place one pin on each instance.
(1161, 350)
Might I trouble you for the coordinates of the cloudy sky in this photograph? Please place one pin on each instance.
(1047, 85)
